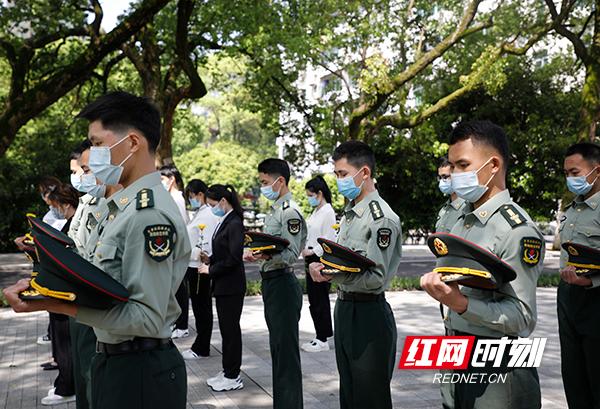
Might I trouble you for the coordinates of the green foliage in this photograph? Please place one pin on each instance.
(41, 148)
(224, 163)
(253, 287)
(3, 302)
(405, 283)
(552, 280)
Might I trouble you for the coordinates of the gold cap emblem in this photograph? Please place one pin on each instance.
(326, 248)
(440, 247)
(248, 238)
(572, 251)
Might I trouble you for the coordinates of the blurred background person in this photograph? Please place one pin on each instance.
(320, 224)
(63, 201)
(226, 269)
(172, 181)
(200, 229)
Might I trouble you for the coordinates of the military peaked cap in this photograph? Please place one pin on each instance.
(65, 275)
(586, 260)
(460, 260)
(340, 260)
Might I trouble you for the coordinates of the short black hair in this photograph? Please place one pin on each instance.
(317, 184)
(443, 162)
(275, 167)
(482, 133)
(119, 111)
(358, 154)
(83, 146)
(590, 152)
(171, 170)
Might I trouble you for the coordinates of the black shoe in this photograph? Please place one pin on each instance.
(50, 367)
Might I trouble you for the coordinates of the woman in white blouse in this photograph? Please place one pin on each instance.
(200, 230)
(171, 180)
(320, 224)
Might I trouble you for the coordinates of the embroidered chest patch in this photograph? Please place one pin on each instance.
(383, 238)
(531, 248)
(294, 226)
(158, 241)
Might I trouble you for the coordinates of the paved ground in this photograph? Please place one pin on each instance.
(23, 383)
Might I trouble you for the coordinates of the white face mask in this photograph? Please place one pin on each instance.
(466, 184)
(90, 186)
(101, 166)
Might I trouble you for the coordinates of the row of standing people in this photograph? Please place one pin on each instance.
(484, 214)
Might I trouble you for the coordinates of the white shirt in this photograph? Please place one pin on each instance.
(221, 221)
(320, 224)
(204, 216)
(180, 201)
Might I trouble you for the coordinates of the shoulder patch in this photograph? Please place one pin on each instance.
(145, 198)
(285, 204)
(512, 215)
(531, 248)
(91, 222)
(376, 211)
(158, 241)
(384, 236)
(294, 226)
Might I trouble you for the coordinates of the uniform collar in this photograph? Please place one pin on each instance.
(592, 201)
(457, 203)
(360, 208)
(279, 202)
(486, 210)
(124, 197)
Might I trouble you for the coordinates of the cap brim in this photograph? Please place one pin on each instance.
(469, 281)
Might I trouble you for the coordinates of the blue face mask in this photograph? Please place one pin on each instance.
(347, 188)
(195, 204)
(268, 191)
(217, 211)
(579, 185)
(101, 166)
(76, 182)
(313, 200)
(89, 185)
(466, 184)
(445, 186)
(58, 214)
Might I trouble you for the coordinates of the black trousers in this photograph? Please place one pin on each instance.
(579, 330)
(318, 298)
(62, 353)
(229, 311)
(153, 379)
(202, 306)
(83, 341)
(183, 299)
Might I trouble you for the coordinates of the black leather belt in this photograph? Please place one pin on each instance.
(135, 345)
(346, 296)
(455, 333)
(276, 273)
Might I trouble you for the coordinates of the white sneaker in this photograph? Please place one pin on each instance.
(315, 346)
(219, 376)
(51, 391)
(189, 354)
(180, 333)
(45, 340)
(54, 399)
(226, 384)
